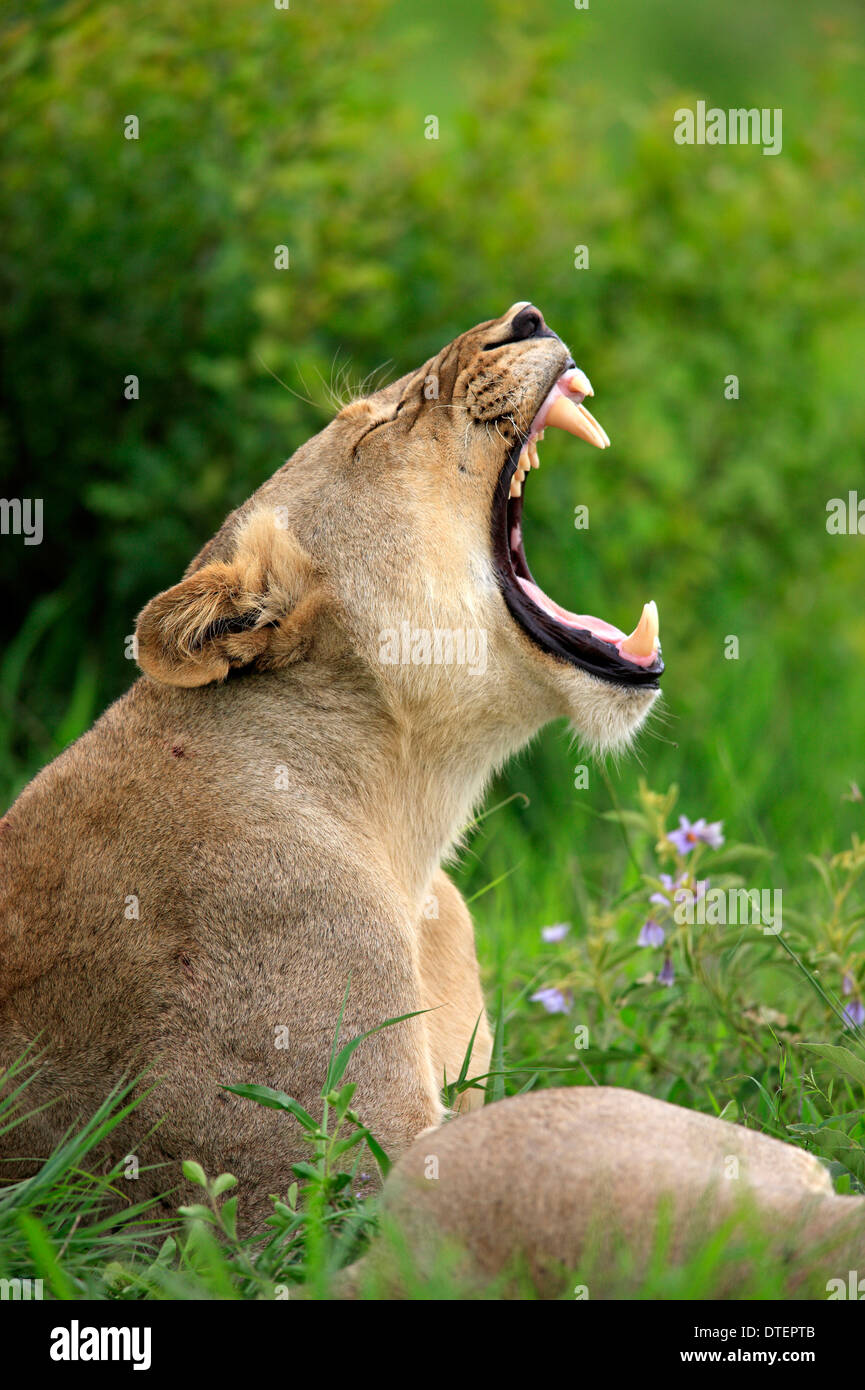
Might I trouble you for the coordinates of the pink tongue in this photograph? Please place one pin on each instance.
(585, 621)
(605, 631)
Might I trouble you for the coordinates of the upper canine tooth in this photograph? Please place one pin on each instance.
(533, 455)
(564, 415)
(643, 641)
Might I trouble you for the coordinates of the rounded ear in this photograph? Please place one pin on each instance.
(257, 609)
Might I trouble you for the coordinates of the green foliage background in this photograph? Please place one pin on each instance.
(306, 127)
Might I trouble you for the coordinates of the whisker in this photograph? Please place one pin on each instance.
(317, 404)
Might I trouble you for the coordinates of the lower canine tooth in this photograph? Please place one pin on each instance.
(516, 487)
(643, 641)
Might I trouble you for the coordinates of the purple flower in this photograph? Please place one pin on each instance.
(664, 899)
(854, 1014)
(651, 934)
(667, 974)
(552, 999)
(847, 983)
(558, 932)
(691, 833)
(675, 891)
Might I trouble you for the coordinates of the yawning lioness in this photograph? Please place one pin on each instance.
(261, 820)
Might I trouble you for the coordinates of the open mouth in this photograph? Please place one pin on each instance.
(591, 643)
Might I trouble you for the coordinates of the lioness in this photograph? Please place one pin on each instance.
(262, 818)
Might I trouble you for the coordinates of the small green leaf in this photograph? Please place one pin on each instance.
(343, 1145)
(228, 1214)
(274, 1100)
(224, 1183)
(306, 1170)
(193, 1172)
(378, 1154)
(167, 1251)
(198, 1212)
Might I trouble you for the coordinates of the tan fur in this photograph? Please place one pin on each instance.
(278, 801)
(522, 1194)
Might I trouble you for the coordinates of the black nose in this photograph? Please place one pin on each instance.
(528, 323)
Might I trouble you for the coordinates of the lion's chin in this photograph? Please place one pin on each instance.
(605, 717)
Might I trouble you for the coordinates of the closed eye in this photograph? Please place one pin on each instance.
(376, 424)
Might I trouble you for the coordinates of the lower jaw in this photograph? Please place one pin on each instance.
(564, 643)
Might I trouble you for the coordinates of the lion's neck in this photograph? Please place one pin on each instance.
(406, 782)
(324, 747)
